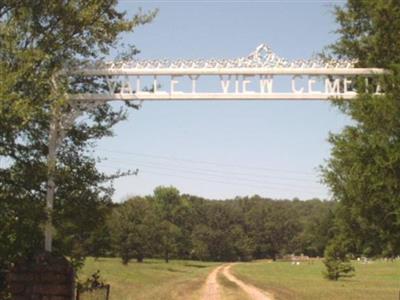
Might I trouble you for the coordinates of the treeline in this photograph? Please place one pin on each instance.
(169, 225)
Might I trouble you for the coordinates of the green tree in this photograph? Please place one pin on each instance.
(172, 210)
(280, 229)
(318, 228)
(230, 230)
(337, 261)
(169, 239)
(243, 245)
(201, 239)
(364, 169)
(133, 229)
(99, 244)
(38, 39)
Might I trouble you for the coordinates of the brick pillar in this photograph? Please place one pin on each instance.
(46, 277)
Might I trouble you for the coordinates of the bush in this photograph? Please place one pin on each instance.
(93, 282)
(337, 262)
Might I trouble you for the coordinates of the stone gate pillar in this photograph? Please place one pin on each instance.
(46, 277)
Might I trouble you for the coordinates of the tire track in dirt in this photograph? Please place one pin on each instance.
(253, 292)
(212, 289)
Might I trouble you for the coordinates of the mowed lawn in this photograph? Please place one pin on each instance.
(152, 279)
(377, 280)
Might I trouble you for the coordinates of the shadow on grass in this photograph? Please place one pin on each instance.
(196, 266)
(151, 262)
(176, 271)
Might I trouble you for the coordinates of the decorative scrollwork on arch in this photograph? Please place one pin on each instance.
(262, 57)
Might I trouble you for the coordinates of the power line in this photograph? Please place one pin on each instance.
(234, 173)
(223, 182)
(168, 158)
(208, 180)
(263, 185)
(210, 173)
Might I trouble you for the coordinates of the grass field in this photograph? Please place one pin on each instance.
(157, 280)
(377, 280)
(152, 279)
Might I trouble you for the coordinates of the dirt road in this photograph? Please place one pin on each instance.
(213, 291)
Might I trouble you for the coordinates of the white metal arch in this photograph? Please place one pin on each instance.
(259, 69)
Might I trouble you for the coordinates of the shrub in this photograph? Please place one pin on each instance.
(337, 262)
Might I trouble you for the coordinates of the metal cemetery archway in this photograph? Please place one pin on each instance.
(254, 77)
(259, 69)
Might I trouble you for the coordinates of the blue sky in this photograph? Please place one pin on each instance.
(226, 149)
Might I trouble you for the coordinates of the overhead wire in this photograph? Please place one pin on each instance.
(264, 187)
(207, 162)
(214, 173)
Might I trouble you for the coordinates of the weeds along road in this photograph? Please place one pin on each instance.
(212, 289)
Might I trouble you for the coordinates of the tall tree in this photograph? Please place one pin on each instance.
(364, 169)
(133, 229)
(171, 210)
(38, 39)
